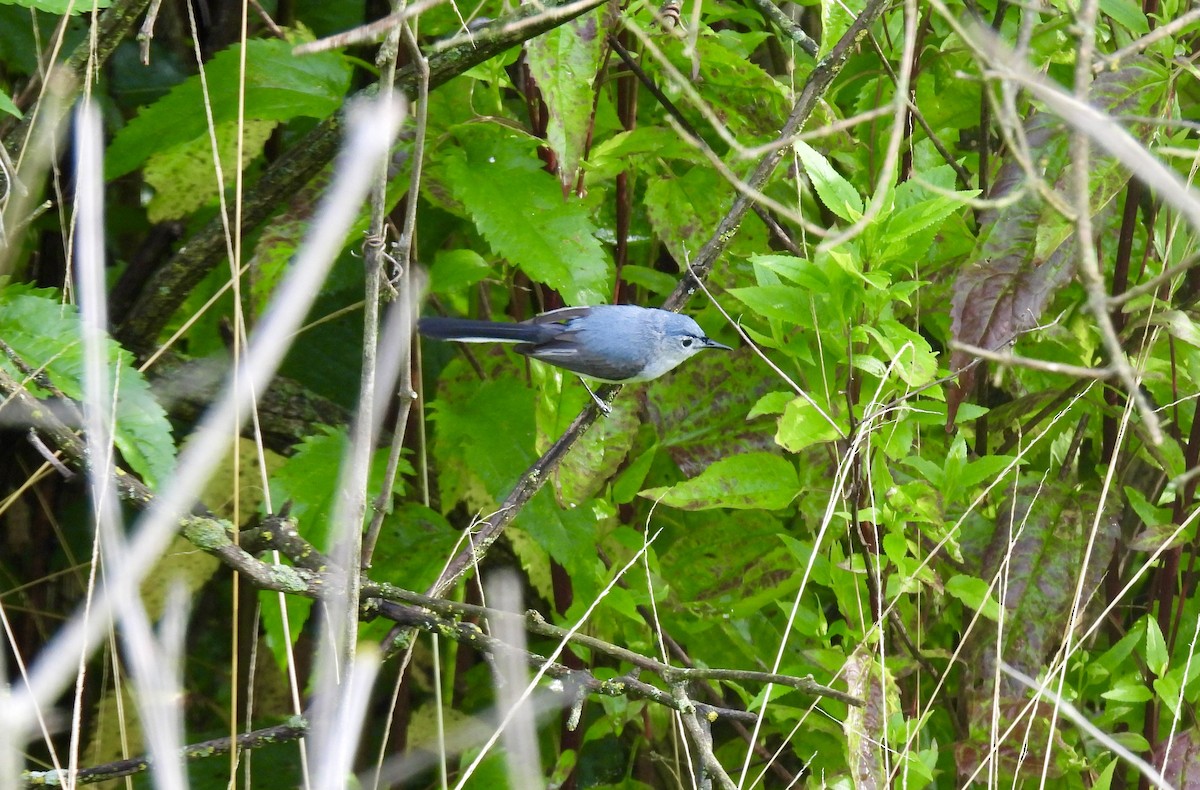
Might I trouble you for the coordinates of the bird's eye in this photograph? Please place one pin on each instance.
(687, 342)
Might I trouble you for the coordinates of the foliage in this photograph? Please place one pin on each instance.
(920, 478)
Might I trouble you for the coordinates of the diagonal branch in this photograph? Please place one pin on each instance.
(170, 285)
(531, 481)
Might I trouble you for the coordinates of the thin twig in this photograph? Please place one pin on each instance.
(295, 729)
(372, 31)
(787, 26)
(1008, 358)
(702, 739)
(1113, 61)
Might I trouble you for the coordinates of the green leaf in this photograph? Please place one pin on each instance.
(413, 544)
(652, 280)
(1127, 14)
(1157, 657)
(457, 270)
(598, 454)
(1104, 781)
(7, 105)
(913, 225)
(550, 238)
(751, 103)
(309, 480)
(836, 18)
(46, 335)
(636, 147)
(631, 479)
(1158, 528)
(1167, 690)
(564, 62)
(297, 611)
(838, 194)
(1128, 692)
(974, 593)
(912, 358)
(780, 302)
(684, 209)
(802, 425)
(279, 87)
(60, 7)
(752, 480)
(699, 409)
(183, 177)
(771, 403)
(798, 271)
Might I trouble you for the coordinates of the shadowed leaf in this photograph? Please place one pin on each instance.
(1026, 250)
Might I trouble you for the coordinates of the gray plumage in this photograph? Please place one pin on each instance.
(617, 344)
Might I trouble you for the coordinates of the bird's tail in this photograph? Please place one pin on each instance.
(465, 330)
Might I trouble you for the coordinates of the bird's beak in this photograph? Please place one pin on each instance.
(710, 343)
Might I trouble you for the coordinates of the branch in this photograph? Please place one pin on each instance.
(295, 729)
(111, 29)
(314, 575)
(531, 481)
(166, 289)
(535, 624)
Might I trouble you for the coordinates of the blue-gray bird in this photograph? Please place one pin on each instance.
(616, 344)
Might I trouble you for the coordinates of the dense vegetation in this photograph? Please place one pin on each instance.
(933, 521)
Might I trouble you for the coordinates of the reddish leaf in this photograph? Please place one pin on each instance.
(1026, 251)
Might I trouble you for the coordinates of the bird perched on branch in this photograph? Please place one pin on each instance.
(615, 344)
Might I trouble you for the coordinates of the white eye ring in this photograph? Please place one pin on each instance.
(687, 342)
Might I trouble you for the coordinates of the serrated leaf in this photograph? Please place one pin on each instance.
(797, 271)
(912, 358)
(309, 480)
(550, 238)
(45, 334)
(599, 453)
(751, 103)
(836, 18)
(752, 480)
(279, 87)
(838, 194)
(909, 222)
(564, 62)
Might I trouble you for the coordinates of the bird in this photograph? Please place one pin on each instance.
(613, 344)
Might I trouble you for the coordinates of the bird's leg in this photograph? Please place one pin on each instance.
(604, 407)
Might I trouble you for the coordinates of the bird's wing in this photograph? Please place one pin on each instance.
(561, 315)
(565, 354)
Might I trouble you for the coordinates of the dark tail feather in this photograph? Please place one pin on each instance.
(464, 330)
